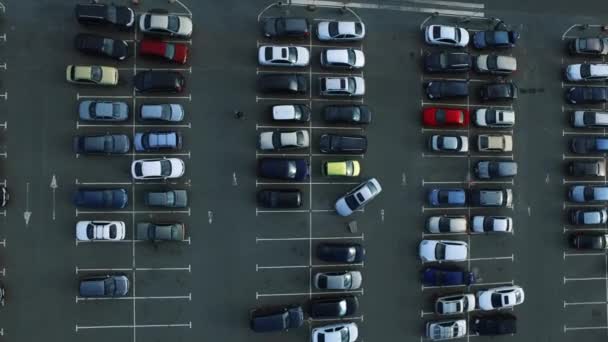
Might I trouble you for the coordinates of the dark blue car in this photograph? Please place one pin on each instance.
(281, 168)
(101, 198)
(495, 39)
(104, 286)
(435, 276)
(447, 197)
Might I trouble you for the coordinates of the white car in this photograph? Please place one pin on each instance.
(447, 224)
(443, 250)
(489, 117)
(358, 197)
(446, 330)
(165, 24)
(500, 297)
(587, 72)
(283, 55)
(487, 224)
(343, 332)
(343, 58)
(100, 230)
(455, 304)
(343, 86)
(283, 140)
(446, 35)
(294, 112)
(587, 119)
(340, 30)
(163, 168)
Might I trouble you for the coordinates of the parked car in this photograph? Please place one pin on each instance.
(495, 143)
(489, 224)
(295, 169)
(345, 144)
(597, 46)
(495, 39)
(447, 224)
(173, 52)
(343, 280)
(496, 324)
(345, 168)
(342, 58)
(447, 89)
(157, 140)
(495, 64)
(93, 44)
(498, 91)
(89, 110)
(279, 140)
(587, 168)
(500, 297)
(440, 117)
(447, 197)
(286, 56)
(279, 198)
(587, 72)
(170, 112)
(93, 13)
(492, 197)
(588, 193)
(167, 199)
(159, 81)
(340, 31)
(447, 276)
(446, 330)
(444, 61)
(285, 27)
(489, 117)
(488, 169)
(161, 168)
(446, 35)
(352, 114)
(101, 198)
(276, 318)
(358, 197)
(588, 216)
(583, 145)
(455, 304)
(342, 86)
(587, 95)
(292, 112)
(341, 252)
(587, 119)
(334, 307)
(342, 332)
(443, 250)
(106, 143)
(283, 83)
(586, 240)
(449, 143)
(104, 286)
(92, 74)
(4, 197)
(160, 231)
(164, 24)
(100, 230)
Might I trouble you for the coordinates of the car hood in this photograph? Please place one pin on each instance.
(427, 250)
(185, 26)
(573, 72)
(177, 167)
(342, 208)
(455, 252)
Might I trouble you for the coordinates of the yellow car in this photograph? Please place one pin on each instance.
(92, 74)
(346, 168)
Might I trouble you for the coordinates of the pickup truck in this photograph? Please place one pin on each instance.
(160, 231)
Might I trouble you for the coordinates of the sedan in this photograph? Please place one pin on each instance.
(443, 250)
(347, 280)
(279, 140)
(334, 307)
(164, 168)
(500, 297)
(340, 31)
(101, 198)
(588, 216)
(488, 169)
(343, 86)
(597, 46)
(342, 332)
(159, 81)
(94, 13)
(283, 83)
(352, 114)
(492, 197)
(93, 44)
(495, 64)
(446, 35)
(296, 169)
(587, 168)
(499, 118)
(449, 143)
(154, 141)
(103, 111)
(104, 286)
(447, 197)
(588, 193)
(166, 199)
(455, 304)
(285, 27)
(342, 144)
(584, 145)
(92, 74)
(341, 252)
(173, 52)
(165, 25)
(100, 230)
(587, 119)
(358, 197)
(342, 58)
(587, 72)
(450, 276)
(273, 55)
(447, 89)
(170, 112)
(160, 231)
(495, 39)
(345, 168)
(446, 224)
(440, 117)
(447, 62)
(106, 143)
(487, 224)
(292, 112)
(446, 330)
(589, 241)
(587, 95)
(498, 91)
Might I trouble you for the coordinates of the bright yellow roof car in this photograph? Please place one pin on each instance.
(346, 168)
(92, 74)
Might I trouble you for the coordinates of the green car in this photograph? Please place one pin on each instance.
(160, 231)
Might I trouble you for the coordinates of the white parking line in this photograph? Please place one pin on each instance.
(566, 279)
(354, 318)
(306, 183)
(444, 104)
(358, 237)
(596, 181)
(80, 125)
(566, 254)
(305, 72)
(131, 269)
(125, 212)
(258, 126)
(502, 156)
(133, 326)
(566, 304)
(583, 229)
(322, 46)
(566, 328)
(564, 157)
(261, 268)
(90, 299)
(431, 78)
(601, 133)
(512, 258)
(160, 97)
(189, 70)
(324, 293)
(424, 208)
(566, 205)
(442, 234)
(587, 85)
(78, 182)
(292, 99)
(401, 8)
(78, 242)
(511, 182)
(472, 285)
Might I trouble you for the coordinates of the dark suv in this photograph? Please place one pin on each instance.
(101, 198)
(350, 144)
(108, 143)
(104, 286)
(159, 81)
(120, 16)
(168, 199)
(286, 27)
(498, 91)
(280, 198)
(283, 83)
(276, 319)
(447, 89)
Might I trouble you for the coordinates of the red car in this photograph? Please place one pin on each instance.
(445, 117)
(175, 52)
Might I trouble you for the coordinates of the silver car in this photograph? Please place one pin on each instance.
(103, 111)
(340, 30)
(343, 58)
(272, 55)
(455, 304)
(276, 140)
(446, 330)
(347, 280)
(358, 197)
(489, 224)
(162, 112)
(343, 86)
(587, 119)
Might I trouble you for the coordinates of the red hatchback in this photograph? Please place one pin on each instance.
(434, 116)
(175, 52)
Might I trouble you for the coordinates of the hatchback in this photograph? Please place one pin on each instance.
(495, 324)
(492, 197)
(276, 318)
(93, 13)
(341, 252)
(106, 143)
(343, 280)
(352, 114)
(447, 224)
(588, 216)
(295, 169)
(101, 198)
(159, 81)
(167, 199)
(489, 117)
(587, 168)
(495, 64)
(93, 44)
(449, 143)
(495, 143)
(447, 89)
(455, 304)
(447, 276)
(492, 224)
(279, 198)
(291, 112)
(281, 140)
(589, 46)
(160, 231)
(500, 297)
(346, 168)
(488, 169)
(170, 112)
(588, 193)
(92, 75)
(174, 52)
(342, 332)
(443, 250)
(439, 117)
(334, 307)
(446, 330)
(587, 240)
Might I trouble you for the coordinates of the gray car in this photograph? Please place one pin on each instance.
(160, 231)
(104, 286)
(347, 280)
(492, 197)
(167, 199)
(153, 141)
(103, 111)
(106, 143)
(489, 169)
(162, 112)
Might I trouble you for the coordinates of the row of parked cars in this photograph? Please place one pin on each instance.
(154, 24)
(443, 254)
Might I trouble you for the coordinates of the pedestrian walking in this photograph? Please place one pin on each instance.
(239, 114)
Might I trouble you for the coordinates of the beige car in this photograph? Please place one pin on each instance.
(92, 74)
(495, 143)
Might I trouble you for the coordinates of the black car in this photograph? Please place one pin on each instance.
(587, 168)
(582, 95)
(498, 91)
(280, 198)
(447, 89)
(447, 62)
(92, 13)
(93, 44)
(341, 252)
(588, 46)
(494, 324)
(589, 241)
(276, 319)
(348, 144)
(159, 81)
(107, 143)
(286, 27)
(104, 286)
(582, 145)
(334, 307)
(280, 168)
(101, 198)
(283, 83)
(495, 39)
(353, 114)
(167, 199)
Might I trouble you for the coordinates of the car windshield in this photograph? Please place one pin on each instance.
(348, 280)
(111, 15)
(109, 286)
(165, 112)
(440, 251)
(457, 35)
(165, 168)
(293, 54)
(351, 57)
(115, 110)
(491, 116)
(333, 29)
(344, 335)
(372, 188)
(488, 224)
(108, 46)
(351, 85)
(356, 114)
(436, 31)
(496, 300)
(348, 165)
(591, 44)
(491, 62)
(169, 51)
(113, 231)
(351, 202)
(440, 115)
(173, 23)
(297, 112)
(300, 138)
(291, 169)
(96, 73)
(90, 230)
(585, 70)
